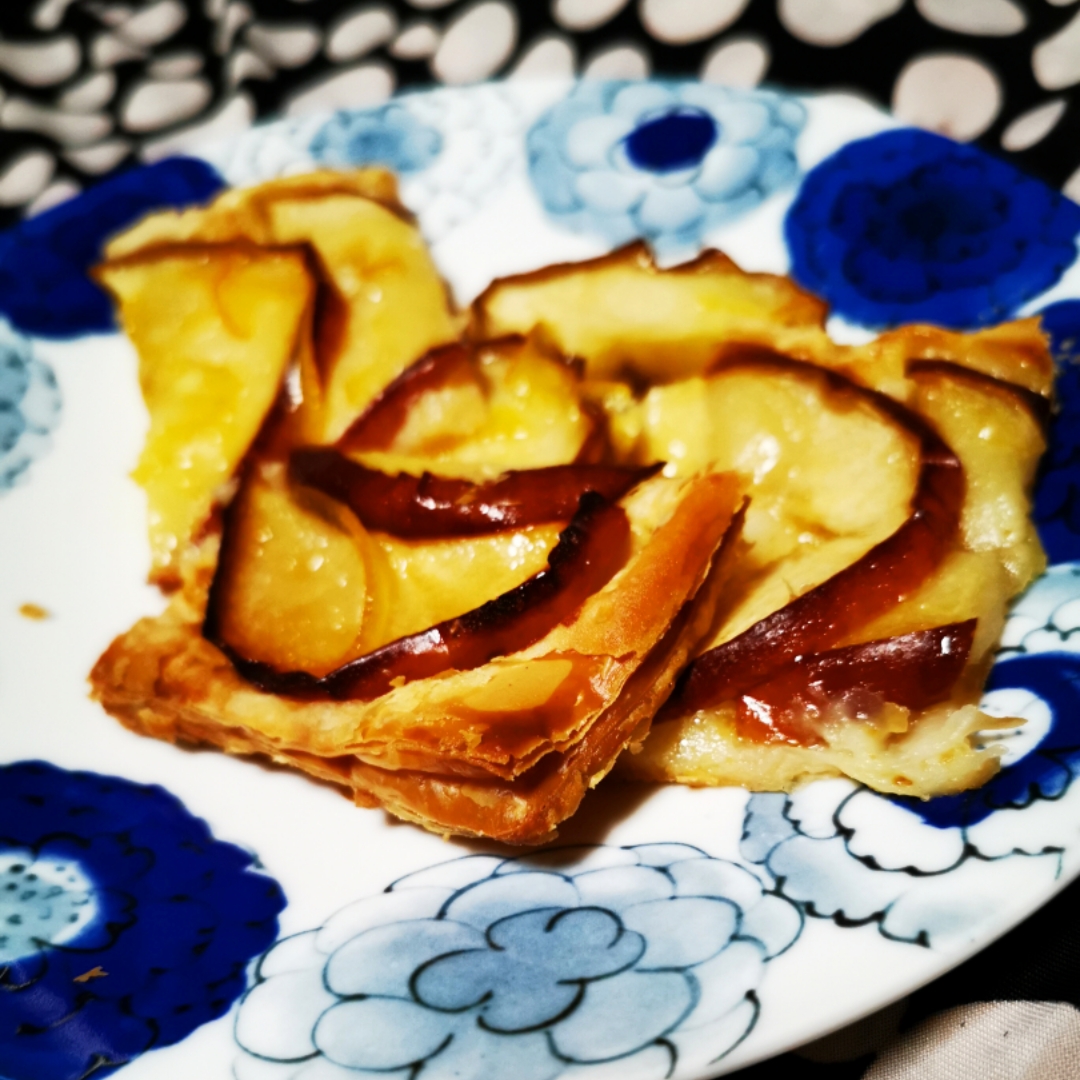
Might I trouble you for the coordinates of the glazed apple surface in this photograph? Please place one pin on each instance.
(379, 300)
(352, 610)
(215, 328)
(855, 682)
(476, 410)
(914, 543)
(966, 547)
(626, 318)
(435, 571)
(590, 551)
(816, 506)
(429, 506)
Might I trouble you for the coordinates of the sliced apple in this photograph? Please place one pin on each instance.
(383, 302)
(625, 317)
(1014, 352)
(429, 506)
(242, 213)
(790, 428)
(590, 551)
(302, 586)
(829, 472)
(998, 432)
(995, 429)
(292, 584)
(823, 616)
(215, 328)
(477, 412)
(912, 670)
(419, 583)
(436, 376)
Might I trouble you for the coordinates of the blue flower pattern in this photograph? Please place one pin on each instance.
(1057, 492)
(855, 870)
(648, 956)
(29, 407)
(124, 925)
(390, 136)
(667, 162)
(1048, 769)
(907, 226)
(44, 285)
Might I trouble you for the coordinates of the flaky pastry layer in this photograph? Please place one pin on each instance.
(505, 751)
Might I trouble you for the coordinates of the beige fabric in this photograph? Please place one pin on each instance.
(1001, 1040)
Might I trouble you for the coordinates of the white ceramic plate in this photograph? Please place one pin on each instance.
(689, 932)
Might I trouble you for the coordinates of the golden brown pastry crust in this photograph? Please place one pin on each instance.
(450, 752)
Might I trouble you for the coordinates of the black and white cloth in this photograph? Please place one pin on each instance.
(87, 86)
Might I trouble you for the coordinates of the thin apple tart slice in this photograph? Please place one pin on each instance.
(866, 658)
(429, 583)
(505, 748)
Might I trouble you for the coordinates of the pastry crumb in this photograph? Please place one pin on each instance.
(94, 973)
(34, 611)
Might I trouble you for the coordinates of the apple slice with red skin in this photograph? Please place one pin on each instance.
(913, 670)
(376, 426)
(825, 615)
(494, 371)
(429, 507)
(590, 551)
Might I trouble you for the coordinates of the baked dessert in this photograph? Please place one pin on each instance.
(421, 580)
(887, 529)
(458, 563)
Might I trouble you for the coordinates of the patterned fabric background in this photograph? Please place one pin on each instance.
(87, 86)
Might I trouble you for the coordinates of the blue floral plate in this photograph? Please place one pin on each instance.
(178, 913)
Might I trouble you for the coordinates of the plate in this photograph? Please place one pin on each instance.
(182, 913)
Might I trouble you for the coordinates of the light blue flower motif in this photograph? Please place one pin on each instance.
(389, 136)
(29, 407)
(451, 148)
(930, 873)
(664, 161)
(567, 961)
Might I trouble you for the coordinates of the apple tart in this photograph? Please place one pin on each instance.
(400, 562)
(462, 563)
(887, 529)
